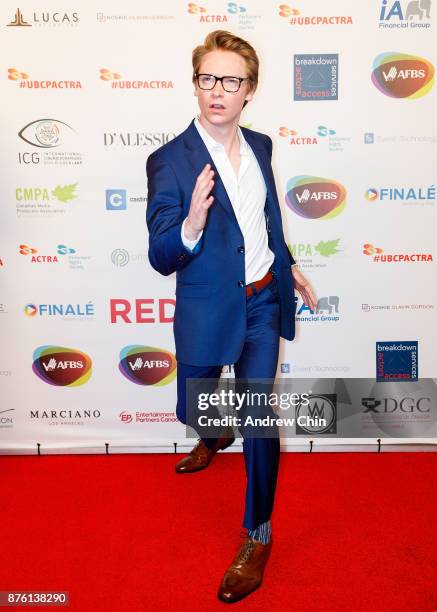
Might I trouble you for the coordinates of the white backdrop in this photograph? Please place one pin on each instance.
(89, 91)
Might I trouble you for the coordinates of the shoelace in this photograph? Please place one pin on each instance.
(247, 549)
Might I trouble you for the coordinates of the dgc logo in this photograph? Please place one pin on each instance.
(147, 365)
(61, 366)
(398, 75)
(314, 197)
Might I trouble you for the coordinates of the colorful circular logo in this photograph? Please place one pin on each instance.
(399, 75)
(371, 195)
(61, 366)
(147, 365)
(314, 197)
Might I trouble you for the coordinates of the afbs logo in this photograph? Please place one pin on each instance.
(399, 75)
(61, 366)
(314, 197)
(147, 365)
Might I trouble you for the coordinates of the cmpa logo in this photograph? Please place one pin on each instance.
(147, 365)
(399, 75)
(314, 197)
(61, 366)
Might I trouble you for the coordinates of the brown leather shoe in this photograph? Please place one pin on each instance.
(246, 572)
(200, 457)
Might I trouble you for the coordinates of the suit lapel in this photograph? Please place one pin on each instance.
(198, 158)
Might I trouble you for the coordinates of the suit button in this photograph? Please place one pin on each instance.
(241, 283)
(240, 249)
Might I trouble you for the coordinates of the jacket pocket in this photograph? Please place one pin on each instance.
(195, 290)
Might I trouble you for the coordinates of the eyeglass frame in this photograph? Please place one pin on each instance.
(227, 76)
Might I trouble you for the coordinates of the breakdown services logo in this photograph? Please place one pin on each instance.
(316, 77)
(61, 366)
(147, 365)
(314, 197)
(399, 75)
(396, 361)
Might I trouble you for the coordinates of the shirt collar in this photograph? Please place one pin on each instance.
(212, 145)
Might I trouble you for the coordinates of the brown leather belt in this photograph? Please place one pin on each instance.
(256, 286)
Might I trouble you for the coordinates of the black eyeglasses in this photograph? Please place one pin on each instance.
(230, 84)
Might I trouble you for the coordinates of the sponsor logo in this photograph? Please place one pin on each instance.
(61, 366)
(379, 256)
(7, 417)
(285, 368)
(46, 135)
(146, 310)
(310, 255)
(203, 15)
(118, 83)
(316, 77)
(147, 365)
(406, 14)
(399, 75)
(318, 416)
(44, 18)
(24, 249)
(120, 18)
(141, 416)
(121, 257)
(43, 201)
(407, 195)
(25, 82)
(391, 139)
(137, 139)
(295, 18)
(327, 310)
(396, 361)
(116, 199)
(385, 307)
(66, 311)
(314, 197)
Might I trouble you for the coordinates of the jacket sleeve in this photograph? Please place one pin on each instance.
(164, 217)
(270, 150)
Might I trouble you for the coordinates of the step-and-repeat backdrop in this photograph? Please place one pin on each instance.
(347, 94)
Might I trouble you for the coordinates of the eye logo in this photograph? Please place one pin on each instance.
(45, 133)
(147, 365)
(371, 195)
(314, 197)
(369, 249)
(30, 310)
(398, 75)
(61, 366)
(27, 250)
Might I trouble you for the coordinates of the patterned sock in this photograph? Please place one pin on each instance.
(262, 533)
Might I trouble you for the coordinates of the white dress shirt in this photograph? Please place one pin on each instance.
(247, 193)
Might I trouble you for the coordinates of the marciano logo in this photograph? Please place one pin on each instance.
(147, 365)
(398, 75)
(314, 197)
(61, 366)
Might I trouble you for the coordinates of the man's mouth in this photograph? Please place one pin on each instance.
(217, 106)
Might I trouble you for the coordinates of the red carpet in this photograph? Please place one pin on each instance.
(353, 532)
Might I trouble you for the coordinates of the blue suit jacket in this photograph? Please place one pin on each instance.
(210, 315)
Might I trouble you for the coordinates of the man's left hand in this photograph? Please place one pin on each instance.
(302, 285)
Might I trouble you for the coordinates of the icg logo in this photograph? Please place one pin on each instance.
(314, 197)
(61, 366)
(398, 75)
(147, 365)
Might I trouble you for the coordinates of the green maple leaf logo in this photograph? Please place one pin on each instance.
(325, 249)
(65, 193)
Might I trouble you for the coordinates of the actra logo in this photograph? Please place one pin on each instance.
(147, 365)
(61, 366)
(204, 16)
(287, 11)
(369, 249)
(398, 75)
(16, 75)
(27, 250)
(314, 197)
(107, 75)
(300, 140)
(194, 9)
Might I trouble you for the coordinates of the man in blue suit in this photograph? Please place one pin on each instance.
(213, 217)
